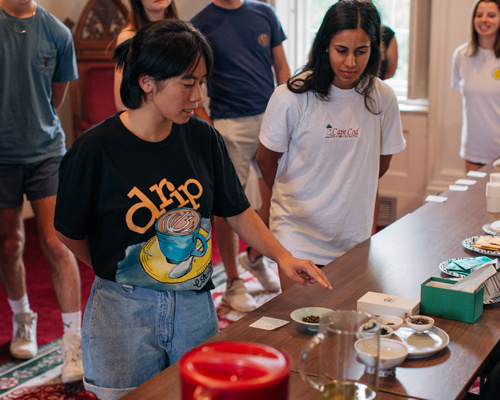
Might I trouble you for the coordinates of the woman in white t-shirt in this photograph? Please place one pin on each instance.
(327, 137)
(476, 73)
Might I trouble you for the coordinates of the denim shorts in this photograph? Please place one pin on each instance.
(241, 136)
(37, 180)
(130, 334)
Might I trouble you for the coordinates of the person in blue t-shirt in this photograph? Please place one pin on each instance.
(37, 62)
(246, 37)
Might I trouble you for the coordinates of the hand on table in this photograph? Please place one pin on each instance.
(304, 272)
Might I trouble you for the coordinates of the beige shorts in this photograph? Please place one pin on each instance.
(241, 136)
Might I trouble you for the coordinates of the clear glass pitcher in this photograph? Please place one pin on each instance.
(330, 363)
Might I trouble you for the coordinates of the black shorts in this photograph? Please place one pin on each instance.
(37, 180)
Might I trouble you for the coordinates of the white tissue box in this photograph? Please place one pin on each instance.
(387, 304)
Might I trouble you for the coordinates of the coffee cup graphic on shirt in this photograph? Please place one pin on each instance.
(177, 232)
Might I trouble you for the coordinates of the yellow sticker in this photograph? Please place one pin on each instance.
(496, 74)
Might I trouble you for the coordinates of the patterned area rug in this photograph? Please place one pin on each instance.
(225, 314)
(40, 377)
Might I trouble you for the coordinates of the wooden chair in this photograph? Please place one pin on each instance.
(92, 94)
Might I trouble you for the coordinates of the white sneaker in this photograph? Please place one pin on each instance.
(266, 276)
(237, 297)
(23, 344)
(72, 369)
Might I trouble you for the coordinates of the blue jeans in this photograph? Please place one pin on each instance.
(130, 334)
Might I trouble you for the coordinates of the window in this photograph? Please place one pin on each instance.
(408, 18)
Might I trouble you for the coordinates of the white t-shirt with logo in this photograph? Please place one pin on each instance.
(326, 182)
(478, 79)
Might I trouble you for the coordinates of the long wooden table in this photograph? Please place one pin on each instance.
(395, 261)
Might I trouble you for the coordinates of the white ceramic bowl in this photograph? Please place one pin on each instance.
(301, 313)
(392, 353)
(383, 328)
(420, 323)
(392, 321)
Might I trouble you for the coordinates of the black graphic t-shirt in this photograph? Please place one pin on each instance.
(146, 207)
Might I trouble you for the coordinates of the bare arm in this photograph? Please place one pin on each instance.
(80, 248)
(385, 162)
(391, 56)
(59, 90)
(249, 226)
(268, 164)
(125, 34)
(280, 64)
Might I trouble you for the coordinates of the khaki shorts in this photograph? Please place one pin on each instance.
(241, 136)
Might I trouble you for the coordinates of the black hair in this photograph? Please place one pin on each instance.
(317, 75)
(161, 49)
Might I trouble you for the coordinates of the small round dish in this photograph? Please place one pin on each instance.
(393, 321)
(420, 323)
(385, 332)
(493, 228)
(488, 228)
(443, 267)
(391, 354)
(301, 313)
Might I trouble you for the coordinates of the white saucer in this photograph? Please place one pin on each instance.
(423, 344)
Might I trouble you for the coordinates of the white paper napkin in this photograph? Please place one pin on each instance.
(268, 323)
(465, 182)
(476, 174)
(437, 199)
(458, 188)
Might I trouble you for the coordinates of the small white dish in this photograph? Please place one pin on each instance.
(420, 323)
(301, 313)
(391, 354)
(393, 321)
(385, 332)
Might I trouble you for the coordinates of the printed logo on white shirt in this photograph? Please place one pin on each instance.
(339, 133)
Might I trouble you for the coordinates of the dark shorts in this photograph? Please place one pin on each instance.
(476, 163)
(36, 180)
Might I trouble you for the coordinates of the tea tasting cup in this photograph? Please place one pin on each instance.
(391, 354)
(393, 321)
(385, 332)
(420, 323)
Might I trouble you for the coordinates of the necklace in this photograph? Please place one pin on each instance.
(24, 30)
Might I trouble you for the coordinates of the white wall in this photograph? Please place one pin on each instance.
(450, 27)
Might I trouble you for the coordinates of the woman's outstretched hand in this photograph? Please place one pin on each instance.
(304, 272)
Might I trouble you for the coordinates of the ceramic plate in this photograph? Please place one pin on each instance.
(445, 263)
(467, 243)
(300, 313)
(487, 229)
(423, 344)
(442, 267)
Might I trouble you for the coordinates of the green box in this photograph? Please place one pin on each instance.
(451, 304)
